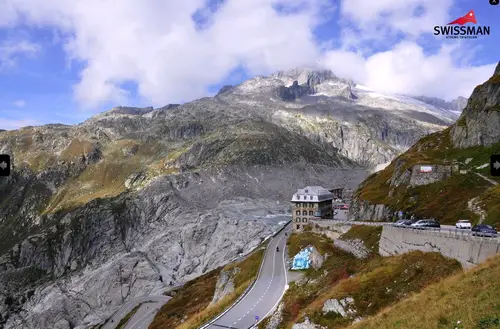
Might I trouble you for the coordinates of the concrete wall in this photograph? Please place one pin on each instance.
(468, 250)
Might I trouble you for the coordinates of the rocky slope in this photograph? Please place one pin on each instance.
(456, 105)
(351, 120)
(134, 200)
(459, 186)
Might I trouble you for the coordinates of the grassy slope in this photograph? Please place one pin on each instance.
(445, 200)
(377, 282)
(443, 304)
(189, 308)
(339, 265)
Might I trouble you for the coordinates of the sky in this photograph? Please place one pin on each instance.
(63, 63)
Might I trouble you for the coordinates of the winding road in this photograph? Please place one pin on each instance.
(264, 295)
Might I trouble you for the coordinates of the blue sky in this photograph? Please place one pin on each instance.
(57, 66)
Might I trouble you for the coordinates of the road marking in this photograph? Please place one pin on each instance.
(147, 313)
(255, 284)
(270, 283)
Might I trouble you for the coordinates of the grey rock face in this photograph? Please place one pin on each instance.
(316, 259)
(455, 105)
(438, 173)
(343, 307)
(225, 284)
(475, 206)
(355, 247)
(479, 124)
(276, 318)
(307, 325)
(363, 210)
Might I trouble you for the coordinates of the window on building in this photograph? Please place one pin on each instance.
(311, 213)
(304, 213)
(298, 227)
(305, 220)
(298, 212)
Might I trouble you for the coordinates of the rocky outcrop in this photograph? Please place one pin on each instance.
(474, 205)
(343, 307)
(438, 173)
(276, 318)
(365, 211)
(355, 247)
(290, 94)
(307, 325)
(316, 259)
(224, 285)
(455, 105)
(479, 124)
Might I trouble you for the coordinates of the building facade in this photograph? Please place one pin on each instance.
(337, 193)
(310, 203)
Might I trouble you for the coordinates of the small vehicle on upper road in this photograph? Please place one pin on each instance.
(425, 223)
(399, 223)
(277, 249)
(404, 223)
(484, 230)
(463, 224)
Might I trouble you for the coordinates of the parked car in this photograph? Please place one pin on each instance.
(425, 223)
(484, 230)
(408, 222)
(463, 224)
(398, 223)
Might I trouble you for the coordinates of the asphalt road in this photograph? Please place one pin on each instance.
(266, 293)
(142, 316)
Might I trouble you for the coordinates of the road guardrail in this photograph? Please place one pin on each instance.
(450, 232)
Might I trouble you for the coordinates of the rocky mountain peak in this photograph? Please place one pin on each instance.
(224, 89)
(125, 110)
(308, 76)
(302, 82)
(497, 69)
(479, 124)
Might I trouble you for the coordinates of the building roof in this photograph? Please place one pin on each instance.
(312, 194)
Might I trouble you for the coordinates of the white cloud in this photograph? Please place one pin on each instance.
(406, 70)
(8, 124)
(10, 50)
(376, 20)
(19, 103)
(156, 44)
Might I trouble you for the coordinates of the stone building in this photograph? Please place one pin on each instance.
(337, 193)
(310, 203)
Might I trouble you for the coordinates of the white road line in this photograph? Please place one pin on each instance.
(147, 313)
(272, 278)
(284, 290)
